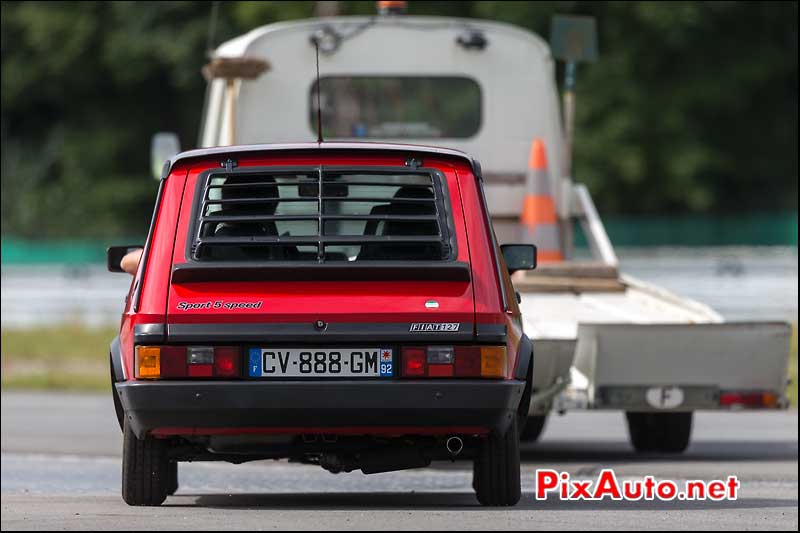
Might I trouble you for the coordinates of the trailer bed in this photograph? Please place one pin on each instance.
(604, 340)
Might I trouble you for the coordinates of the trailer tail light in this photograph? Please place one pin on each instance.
(169, 362)
(748, 399)
(454, 361)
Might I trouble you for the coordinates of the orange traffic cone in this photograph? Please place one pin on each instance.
(538, 217)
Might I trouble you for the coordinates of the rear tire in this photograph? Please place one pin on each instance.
(533, 428)
(660, 432)
(145, 470)
(496, 478)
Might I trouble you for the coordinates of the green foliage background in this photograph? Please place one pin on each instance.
(692, 107)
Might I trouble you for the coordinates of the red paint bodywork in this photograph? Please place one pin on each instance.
(478, 301)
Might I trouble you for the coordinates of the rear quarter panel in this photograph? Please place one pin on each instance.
(147, 299)
(489, 281)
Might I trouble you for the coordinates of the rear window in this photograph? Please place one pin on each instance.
(407, 107)
(322, 215)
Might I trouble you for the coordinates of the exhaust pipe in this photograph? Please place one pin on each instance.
(454, 445)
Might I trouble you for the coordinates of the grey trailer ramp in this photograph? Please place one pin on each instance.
(682, 367)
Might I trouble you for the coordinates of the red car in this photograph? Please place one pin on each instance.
(340, 304)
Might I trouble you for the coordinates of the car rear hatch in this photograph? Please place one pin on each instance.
(314, 254)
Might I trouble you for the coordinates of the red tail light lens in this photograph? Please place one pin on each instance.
(201, 371)
(746, 399)
(173, 362)
(468, 362)
(440, 371)
(415, 362)
(226, 361)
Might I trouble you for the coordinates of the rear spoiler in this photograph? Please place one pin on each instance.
(194, 272)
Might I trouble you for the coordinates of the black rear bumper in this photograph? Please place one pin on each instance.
(175, 407)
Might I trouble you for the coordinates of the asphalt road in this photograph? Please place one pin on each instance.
(61, 470)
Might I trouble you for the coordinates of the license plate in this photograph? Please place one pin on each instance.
(320, 362)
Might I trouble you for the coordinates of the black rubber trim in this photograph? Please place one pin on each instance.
(320, 404)
(149, 333)
(116, 360)
(307, 332)
(491, 333)
(196, 271)
(524, 357)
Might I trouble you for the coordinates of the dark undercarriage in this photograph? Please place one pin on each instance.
(334, 453)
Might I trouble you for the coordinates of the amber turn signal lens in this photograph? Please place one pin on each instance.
(493, 361)
(148, 362)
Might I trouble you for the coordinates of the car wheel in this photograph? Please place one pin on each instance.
(496, 477)
(533, 428)
(145, 469)
(172, 478)
(660, 432)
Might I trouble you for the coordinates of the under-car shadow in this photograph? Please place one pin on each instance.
(443, 501)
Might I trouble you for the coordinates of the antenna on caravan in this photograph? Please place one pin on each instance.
(319, 98)
(212, 28)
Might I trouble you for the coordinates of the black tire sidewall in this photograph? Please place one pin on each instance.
(660, 432)
(145, 469)
(496, 472)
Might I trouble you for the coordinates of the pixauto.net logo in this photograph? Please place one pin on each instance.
(607, 486)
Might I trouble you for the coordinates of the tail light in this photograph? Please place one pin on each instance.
(157, 362)
(454, 361)
(148, 362)
(748, 399)
(226, 362)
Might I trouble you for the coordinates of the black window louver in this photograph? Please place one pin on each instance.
(322, 214)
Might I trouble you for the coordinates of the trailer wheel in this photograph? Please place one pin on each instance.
(495, 475)
(660, 432)
(533, 428)
(145, 470)
(172, 478)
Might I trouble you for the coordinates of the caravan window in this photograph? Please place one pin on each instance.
(373, 107)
